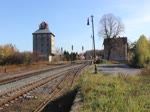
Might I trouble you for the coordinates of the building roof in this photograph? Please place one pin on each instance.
(118, 39)
(43, 29)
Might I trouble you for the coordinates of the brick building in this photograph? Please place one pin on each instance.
(43, 42)
(119, 48)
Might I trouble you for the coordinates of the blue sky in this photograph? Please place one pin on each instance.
(67, 20)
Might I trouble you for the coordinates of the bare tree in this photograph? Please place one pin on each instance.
(110, 27)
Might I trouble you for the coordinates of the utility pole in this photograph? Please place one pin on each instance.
(88, 23)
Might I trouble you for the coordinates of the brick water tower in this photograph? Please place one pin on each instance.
(43, 42)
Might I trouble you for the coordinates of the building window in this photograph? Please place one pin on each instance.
(47, 39)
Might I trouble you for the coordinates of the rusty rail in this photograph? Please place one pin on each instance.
(9, 80)
(56, 91)
(20, 90)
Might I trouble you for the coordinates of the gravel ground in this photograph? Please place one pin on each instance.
(26, 80)
(115, 69)
(20, 73)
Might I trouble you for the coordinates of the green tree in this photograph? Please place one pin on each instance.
(66, 55)
(142, 51)
(74, 56)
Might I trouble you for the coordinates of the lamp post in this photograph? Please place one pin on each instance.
(88, 23)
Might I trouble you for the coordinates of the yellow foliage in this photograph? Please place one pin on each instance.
(7, 50)
(142, 50)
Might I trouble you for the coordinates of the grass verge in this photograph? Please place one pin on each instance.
(115, 93)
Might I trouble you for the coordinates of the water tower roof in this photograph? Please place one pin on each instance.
(43, 29)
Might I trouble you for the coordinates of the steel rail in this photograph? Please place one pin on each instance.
(28, 87)
(56, 91)
(13, 79)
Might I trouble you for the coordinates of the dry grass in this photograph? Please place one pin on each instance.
(145, 72)
(11, 69)
(115, 93)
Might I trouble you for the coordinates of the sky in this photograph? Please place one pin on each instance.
(67, 20)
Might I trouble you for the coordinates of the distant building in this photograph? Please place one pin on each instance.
(119, 48)
(43, 42)
(90, 54)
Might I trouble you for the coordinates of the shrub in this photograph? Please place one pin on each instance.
(98, 61)
(102, 61)
(10, 55)
(145, 72)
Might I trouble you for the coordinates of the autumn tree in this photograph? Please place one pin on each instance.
(9, 55)
(142, 51)
(110, 27)
(1, 54)
(6, 53)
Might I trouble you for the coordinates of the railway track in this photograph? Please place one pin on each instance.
(16, 78)
(9, 95)
(61, 87)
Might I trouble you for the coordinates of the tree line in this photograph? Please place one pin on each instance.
(70, 56)
(9, 55)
